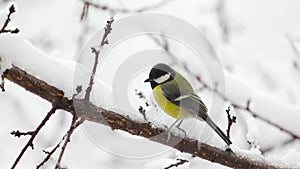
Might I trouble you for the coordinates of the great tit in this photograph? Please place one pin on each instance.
(175, 95)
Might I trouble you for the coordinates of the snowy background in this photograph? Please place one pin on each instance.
(257, 57)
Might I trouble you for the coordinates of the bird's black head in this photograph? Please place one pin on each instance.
(159, 74)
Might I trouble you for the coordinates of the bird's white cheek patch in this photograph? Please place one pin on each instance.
(163, 78)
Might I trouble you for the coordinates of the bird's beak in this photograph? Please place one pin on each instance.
(147, 80)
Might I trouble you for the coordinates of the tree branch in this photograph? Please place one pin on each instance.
(87, 111)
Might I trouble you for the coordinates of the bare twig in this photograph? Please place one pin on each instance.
(256, 115)
(114, 11)
(285, 143)
(96, 51)
(223, 20)
(2, 82)
(33, 135)
(143, 112)
(296, 52)
(49, 154)
(19, 134)
(180, 162)
(231, 120)
(142, 96)
(75, 123)
(293, 46)
(12, 10)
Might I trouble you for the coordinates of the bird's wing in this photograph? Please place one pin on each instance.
(189, 101)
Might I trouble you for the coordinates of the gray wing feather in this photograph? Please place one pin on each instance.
(190, 102)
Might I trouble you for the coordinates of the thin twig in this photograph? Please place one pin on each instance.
(180, 162)
(223, 20)
(12, 10)
(142, 112)
(75, 123)
(296, 52)
(2, 82)
(285, 143)
(104, 41)
(19, 134)
(231, 120)
(293, 45)
(49, 154)
(114, 11)
(33, 135)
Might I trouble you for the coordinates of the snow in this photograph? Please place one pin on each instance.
(253, 132)
(292, 158)
(162, 163)
(232, 112)
(55, 71)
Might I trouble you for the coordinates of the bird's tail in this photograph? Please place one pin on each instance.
(218, 130)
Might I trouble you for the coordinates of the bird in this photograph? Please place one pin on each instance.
(176, 97)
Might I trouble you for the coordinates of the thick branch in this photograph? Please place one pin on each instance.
(88, 111)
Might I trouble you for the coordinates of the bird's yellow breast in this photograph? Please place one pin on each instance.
(169, 107)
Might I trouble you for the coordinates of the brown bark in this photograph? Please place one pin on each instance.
(90, 112)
